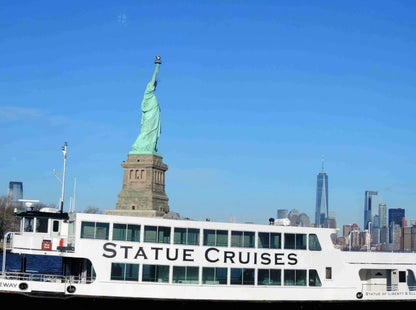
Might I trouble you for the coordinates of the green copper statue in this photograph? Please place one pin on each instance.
(146, 142)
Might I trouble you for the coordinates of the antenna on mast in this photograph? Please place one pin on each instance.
(323, 161)
(72, 202)
(61, 202)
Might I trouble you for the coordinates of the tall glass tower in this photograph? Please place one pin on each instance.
(396, 216)
(15, 192)
(382, 209)
(371, 203)
(321, 209)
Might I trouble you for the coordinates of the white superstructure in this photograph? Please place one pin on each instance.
(156, 258)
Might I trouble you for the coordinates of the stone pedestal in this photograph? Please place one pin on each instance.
(143, 191)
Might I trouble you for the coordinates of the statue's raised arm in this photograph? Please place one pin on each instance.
(150, 129)
(151, 86)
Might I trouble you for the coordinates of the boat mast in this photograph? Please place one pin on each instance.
(64, 151)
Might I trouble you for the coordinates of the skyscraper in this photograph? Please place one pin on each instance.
(321, 209)
(371, 202)
(282, 213)
(396, 216)
(15, 192)
(382, 213)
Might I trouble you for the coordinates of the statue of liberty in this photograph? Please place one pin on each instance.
(146, 142)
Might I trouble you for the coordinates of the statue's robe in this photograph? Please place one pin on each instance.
(150, 129)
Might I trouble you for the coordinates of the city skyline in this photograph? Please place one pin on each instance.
(251, 95)
(382, 217)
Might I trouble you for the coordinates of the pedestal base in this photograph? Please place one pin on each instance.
(143, 191)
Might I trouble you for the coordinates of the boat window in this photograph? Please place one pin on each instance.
(42, 225)
(189, 236)
(242, 239)
(71, 229)
(314, 278)
(314, 244)
(242, 276)
(126, 232)
(95, 230)
(102, 231)
(28, 224)
(402, 276)
(328, 273)
(295, 241)
(78, 269)
(212, 275)
(295, 277)
(155, 273)
(158, 234)
(411, 280)
(125, 272)
(87, 230)
(269, 277)
(215, 237)
(55, 226)
(269, 240)
(185, 274)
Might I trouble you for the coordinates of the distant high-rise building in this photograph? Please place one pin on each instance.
(15, 192)
(376, 221)
(396, 216)
(321, 208)
(382, 213)
(331, 221)
(282, 213)
(371, 202)
(293, 216)
(303, 220)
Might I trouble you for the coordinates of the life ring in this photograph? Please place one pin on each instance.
(71, 289)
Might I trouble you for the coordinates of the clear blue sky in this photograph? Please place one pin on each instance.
(252, 94)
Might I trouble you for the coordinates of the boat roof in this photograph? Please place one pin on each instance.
(43, 214)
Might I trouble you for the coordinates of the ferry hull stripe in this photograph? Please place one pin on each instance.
(211, 255)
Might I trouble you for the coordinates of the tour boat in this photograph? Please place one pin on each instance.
(154, 258)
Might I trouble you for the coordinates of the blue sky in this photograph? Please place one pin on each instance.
(253, 94)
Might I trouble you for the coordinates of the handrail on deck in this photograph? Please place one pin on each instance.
(41, 277)
(389, 288)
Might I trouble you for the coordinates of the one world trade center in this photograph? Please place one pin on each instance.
(321, 209)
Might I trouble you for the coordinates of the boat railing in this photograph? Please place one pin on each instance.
(41, 277)
(374, 287)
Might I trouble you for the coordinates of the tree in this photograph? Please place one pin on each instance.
(8, 222)
(93, 210)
